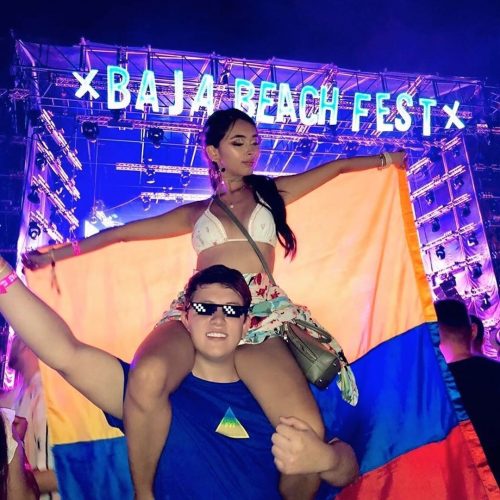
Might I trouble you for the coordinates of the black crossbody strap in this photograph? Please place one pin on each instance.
(243, 229)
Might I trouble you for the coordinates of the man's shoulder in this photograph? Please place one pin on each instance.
(476, 367)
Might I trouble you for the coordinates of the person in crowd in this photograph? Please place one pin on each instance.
(477, 377)
(30, 406)
(16, 478)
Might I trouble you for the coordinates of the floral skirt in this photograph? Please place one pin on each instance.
(270, 309)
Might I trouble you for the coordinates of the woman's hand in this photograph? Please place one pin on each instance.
(399, 159)
(35, 259)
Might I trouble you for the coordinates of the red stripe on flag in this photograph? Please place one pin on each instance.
(454, 468)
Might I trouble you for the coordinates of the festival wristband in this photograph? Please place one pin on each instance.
(76, 248)
(6, 281)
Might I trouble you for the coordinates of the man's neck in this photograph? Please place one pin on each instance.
(221, 371)
(454, 351)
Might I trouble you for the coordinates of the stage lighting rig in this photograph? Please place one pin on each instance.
(146, 202)
(150, 175)
(304, 147)
(466, 210)
(457, 183)
(155, 135)
(429, 198)
(185, 178)
(435, 225)
(34, 230)
(40, 161)
(434, 154)
(472, 240)
(440, 252)
(485, 302)
(476, 270)
(224, 76)
(448, 286)
(33, 195)
(90, 131)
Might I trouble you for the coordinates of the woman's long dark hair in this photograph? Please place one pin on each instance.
(215, 129)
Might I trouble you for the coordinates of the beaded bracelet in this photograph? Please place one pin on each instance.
(385, 160)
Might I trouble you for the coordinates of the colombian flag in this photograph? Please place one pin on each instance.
(359, 271)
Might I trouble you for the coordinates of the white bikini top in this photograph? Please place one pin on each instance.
(209, 231)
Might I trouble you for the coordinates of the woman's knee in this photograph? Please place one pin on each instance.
(149, 377)
(162, 361)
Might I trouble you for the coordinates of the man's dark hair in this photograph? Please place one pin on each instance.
(222, 275)
(452, 315)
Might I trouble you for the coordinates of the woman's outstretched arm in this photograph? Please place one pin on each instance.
(173, 223)
(93, 372)
(293, 187)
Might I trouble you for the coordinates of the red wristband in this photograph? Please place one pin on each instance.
(7, 281)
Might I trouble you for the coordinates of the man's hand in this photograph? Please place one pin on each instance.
(297, 449)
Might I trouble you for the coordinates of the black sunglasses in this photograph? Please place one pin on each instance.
(229, 310)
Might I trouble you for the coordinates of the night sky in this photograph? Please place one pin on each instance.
(445, 37)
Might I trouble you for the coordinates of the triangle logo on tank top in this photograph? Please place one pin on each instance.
(231, 427)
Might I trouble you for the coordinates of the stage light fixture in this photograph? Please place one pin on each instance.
(35, 117)
(224, 76)
(90, 131)
(476, 270)
(472, 240)
(457, 183)
(304, 147)
(434, 154)
(185, 178)
(33, 196)
(40, 161)
(155, 135)
(150, 175)
(146, 202)
(466, 210)
(435, 225)
(456, 152)
(34, 230)
(485, 302)
(440, 252)
(448, 286)
(429, 198)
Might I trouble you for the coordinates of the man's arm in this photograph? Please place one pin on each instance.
(297, 449)
(21, 484)
(46, 481)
